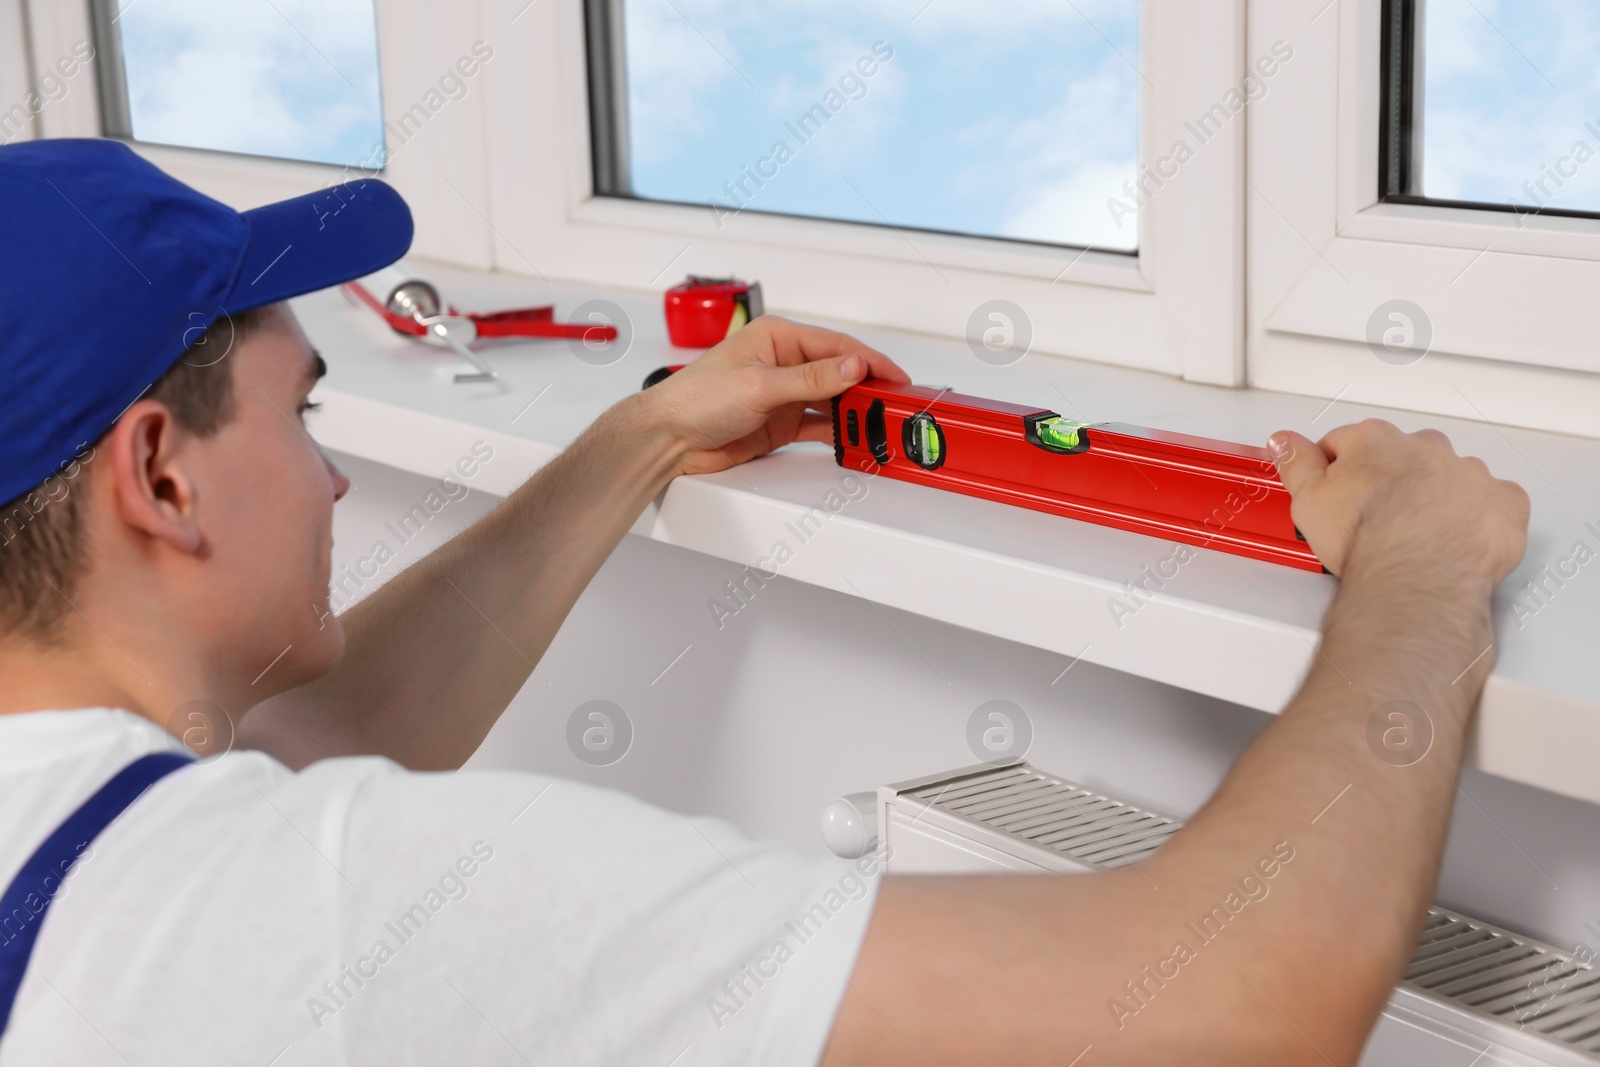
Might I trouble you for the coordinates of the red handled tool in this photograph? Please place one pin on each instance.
(1194, 490)
(661, 374)
(702, 312)
(412, 307)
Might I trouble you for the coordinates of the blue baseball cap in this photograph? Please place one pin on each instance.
(110, 269)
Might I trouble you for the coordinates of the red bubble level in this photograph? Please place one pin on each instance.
(1193, 490)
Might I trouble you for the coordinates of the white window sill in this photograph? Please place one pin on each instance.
(1227, 627)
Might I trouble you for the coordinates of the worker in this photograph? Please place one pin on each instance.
(336, 891)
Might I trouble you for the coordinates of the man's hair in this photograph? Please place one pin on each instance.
(42, 542)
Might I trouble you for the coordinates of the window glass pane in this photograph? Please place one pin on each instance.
(296, 79)
(1011, 120)
(1510, 102)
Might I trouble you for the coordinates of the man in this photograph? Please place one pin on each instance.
(166, 563)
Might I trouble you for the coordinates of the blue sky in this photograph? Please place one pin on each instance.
(1014, 120)
(1508, 86)
(290, 78)
(1020, 126)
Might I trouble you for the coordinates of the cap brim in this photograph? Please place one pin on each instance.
(319, 240)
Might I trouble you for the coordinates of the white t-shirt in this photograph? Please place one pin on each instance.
(355, 912)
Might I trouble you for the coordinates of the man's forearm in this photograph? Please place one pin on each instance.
(1322, 945)
(434, 656)
(1358, 776)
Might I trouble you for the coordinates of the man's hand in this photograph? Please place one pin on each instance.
(1369, 489)
(763, 387)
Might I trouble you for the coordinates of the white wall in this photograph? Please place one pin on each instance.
(807, 694)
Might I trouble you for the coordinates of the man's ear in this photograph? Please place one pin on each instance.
(152, 489)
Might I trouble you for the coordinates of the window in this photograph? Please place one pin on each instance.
(294, 79)
(1395, 255)
(1072, 207)
(1003, 153)
(942, 115)
(1465, 75)
(258, 102)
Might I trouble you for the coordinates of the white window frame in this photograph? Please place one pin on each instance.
(446, 184)
(503, 182)
(1174, 307)
(1507, 295)
(16, 66)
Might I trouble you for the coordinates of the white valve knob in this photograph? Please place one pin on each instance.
(850, 825)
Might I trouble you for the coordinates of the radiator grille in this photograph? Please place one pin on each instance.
(1090, 827)
(1509, 978)
(1470, 966)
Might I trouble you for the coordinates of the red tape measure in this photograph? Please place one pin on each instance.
(703, 312)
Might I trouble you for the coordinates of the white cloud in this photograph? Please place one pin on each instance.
(1073, 210)
(676, 72)
(299, 79)
(1071, 158)
(1508, 90)
(987, 120)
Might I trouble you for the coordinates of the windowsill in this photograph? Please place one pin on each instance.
(1228, 627)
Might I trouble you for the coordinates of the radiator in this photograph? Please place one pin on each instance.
(1474, 995)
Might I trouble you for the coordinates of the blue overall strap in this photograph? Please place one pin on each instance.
(23, 907)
